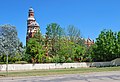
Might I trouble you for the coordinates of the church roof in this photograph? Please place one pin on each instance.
(34, 24)
(31, 9)
(31, 18)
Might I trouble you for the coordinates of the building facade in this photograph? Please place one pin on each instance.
(89, 42)
(32, 25)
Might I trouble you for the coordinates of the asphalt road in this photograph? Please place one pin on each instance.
(88, 77)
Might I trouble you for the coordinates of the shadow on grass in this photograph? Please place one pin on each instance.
(2, 75)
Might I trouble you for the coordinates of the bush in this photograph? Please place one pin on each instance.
(48, 60)
(58, 59)
(62, 59)
(69, 60)
(2, 62)
(55, 59)
(27, 57)
(21, 62)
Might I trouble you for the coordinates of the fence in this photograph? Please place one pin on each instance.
(13, 67)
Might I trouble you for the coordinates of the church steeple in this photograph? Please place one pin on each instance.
(31, 12)
(30, 16)
(32, 25)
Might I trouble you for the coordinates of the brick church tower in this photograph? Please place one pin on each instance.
(32, 25)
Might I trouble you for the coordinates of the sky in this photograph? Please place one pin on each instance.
(90, 16)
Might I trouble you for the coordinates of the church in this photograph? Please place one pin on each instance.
(32, 25)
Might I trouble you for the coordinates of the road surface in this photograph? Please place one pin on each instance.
(87, 77)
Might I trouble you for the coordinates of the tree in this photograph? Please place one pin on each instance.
(73, 34)
(9, 42)
(53, 36)
(66, 52)
(118, 45)
(80, 53)
(34, 51)
(105, 46)
(65, 47)
(78, 48)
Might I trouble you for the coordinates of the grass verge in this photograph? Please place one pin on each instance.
(57, 71)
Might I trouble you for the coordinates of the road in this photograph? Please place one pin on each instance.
(88, 77)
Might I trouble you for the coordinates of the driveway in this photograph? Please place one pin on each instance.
(87, 77)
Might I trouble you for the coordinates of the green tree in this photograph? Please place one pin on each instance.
(118, 45)
(105, 45)
(34, 51)
(66, 51)
(80, 53)
(78, 47)
(53, 36)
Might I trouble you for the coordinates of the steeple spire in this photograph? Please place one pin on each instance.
(31, 12)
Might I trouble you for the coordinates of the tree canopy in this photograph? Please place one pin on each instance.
(9, 42)
(107, 46)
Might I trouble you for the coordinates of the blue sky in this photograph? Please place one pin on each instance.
(90, 16)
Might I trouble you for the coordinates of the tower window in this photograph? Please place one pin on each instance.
(31, 14)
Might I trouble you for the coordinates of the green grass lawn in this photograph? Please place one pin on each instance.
(58, 71)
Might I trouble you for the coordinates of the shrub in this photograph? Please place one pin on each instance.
(21, 62)
(55, 59)
(69, 60)
(48, 59)
(62, 59)
(2, 62)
